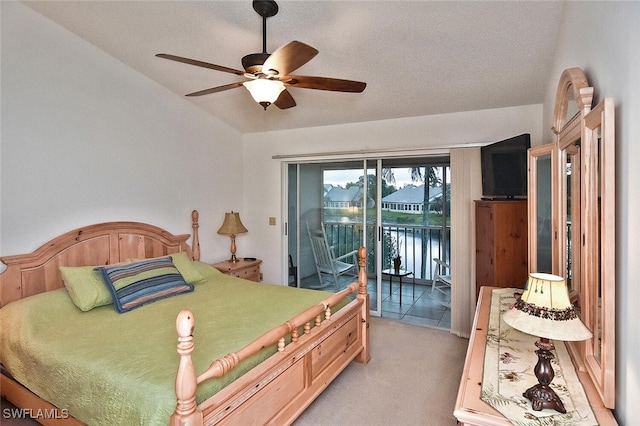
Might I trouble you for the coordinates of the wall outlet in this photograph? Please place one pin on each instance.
(272, 221)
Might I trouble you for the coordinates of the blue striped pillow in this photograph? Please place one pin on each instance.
(135, 284)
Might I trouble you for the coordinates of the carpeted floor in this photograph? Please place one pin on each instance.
(412, 379)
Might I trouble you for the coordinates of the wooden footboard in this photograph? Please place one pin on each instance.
(280, 388)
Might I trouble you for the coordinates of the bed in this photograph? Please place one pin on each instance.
(246, 352)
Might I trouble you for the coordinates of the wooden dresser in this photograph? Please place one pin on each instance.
(501, 244)
(247, 269)
(470, 410)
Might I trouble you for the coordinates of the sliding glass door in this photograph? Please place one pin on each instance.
(394, 207)
(331, 201)
(415, 213)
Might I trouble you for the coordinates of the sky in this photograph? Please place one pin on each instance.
(342, 177)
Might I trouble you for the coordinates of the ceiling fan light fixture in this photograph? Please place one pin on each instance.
(264, 91)
(270, 72)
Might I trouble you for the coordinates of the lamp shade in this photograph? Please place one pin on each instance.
(544, 310)
(232, 224)
(264, 90)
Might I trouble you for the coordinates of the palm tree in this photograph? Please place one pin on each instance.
(430, 179)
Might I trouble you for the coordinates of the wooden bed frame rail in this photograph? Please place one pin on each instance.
(275, 392)
(349, 331)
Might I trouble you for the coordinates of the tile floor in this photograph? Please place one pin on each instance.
(419, 307)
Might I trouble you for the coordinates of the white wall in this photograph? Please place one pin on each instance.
(85, 139)
(263, 178)
(602, 38)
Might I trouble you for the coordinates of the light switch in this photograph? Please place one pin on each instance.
(272, 221)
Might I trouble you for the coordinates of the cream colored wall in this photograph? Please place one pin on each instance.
(602, 38)
(86, 139)
(263, 178)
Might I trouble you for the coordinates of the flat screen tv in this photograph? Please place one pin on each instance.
(504, 168)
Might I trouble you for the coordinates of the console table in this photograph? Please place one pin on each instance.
(470, 409)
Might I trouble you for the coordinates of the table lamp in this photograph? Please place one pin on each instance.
(544, 310)
(232, 226)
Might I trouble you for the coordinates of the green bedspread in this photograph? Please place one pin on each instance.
(108, 368)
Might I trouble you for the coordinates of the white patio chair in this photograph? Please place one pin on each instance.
(441, 279)
(327, 263)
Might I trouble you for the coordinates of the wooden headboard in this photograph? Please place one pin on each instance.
(93, 245)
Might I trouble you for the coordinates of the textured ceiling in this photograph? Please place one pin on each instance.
(417, 57)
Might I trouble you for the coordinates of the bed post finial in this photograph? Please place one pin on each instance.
(195, 242)
(362, 270)
(186, 381)
(365, 355)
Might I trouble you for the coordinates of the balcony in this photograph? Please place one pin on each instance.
(418, 244)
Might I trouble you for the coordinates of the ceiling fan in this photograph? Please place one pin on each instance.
(268, 74)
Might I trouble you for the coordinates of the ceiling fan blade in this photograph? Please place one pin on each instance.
(199, 63)
(289, 58)
(285, 100)
(323, 83)
(216, 89)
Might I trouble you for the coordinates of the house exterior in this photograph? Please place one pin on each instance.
(410, 199)
(343, 198)
(85, 139)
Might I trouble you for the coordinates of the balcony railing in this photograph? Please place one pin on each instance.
(418, 244)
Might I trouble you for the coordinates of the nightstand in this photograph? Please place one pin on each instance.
(247, 269)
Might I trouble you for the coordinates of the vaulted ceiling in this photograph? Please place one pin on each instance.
(417, 57)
